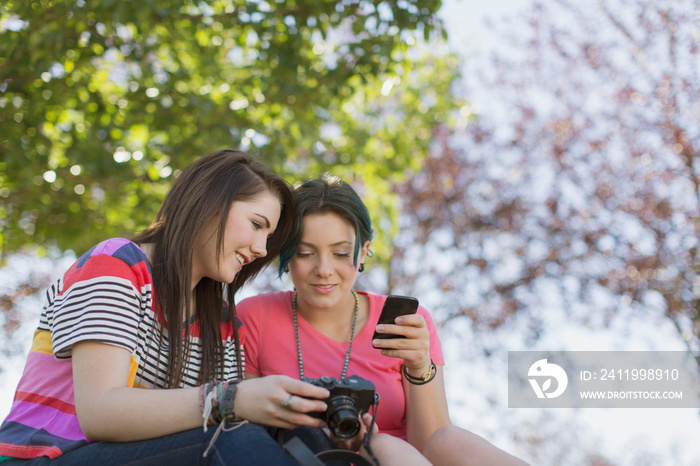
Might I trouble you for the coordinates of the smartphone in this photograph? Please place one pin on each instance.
(395, 306)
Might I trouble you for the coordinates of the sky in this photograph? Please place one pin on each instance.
(465, 21)
(619, 433)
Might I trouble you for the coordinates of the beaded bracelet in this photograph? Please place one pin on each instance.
(227, 395)
(427, 376)
(220, 390)
(216, 402)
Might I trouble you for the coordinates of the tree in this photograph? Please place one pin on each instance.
(102, 102)
(577, 183)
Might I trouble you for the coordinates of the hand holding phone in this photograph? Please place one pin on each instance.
(395, 306)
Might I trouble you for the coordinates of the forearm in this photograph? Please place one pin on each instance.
(131, 414)
(109, 410)
(426, 409)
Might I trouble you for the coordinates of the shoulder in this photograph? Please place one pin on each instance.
(262, 314)
(375, 300)
(378, 300)
(117, 257)
(118, 248)
(270, 302)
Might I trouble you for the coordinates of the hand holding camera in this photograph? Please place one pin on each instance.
(349, 399)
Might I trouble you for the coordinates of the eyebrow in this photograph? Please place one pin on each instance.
(267, 222)
(339, 243)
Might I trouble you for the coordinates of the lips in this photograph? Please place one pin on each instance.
(324, 288)
(241, 259)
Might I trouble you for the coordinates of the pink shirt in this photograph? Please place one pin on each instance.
(270, 348)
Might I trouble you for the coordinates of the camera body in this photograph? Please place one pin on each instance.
(350, 398)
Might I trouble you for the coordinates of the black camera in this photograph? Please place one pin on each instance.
(350, 397)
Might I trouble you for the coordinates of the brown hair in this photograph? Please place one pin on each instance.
(204, 190)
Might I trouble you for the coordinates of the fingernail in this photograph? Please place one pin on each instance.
(380, 328)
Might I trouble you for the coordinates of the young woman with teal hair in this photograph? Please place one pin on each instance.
(324, 327)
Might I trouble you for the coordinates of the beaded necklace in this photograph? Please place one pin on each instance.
(296, 334)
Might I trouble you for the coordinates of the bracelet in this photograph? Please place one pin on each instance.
(427, 376)
(216, 402)
(220, 392)
(203, 392)
(227, 397)
(208, 404)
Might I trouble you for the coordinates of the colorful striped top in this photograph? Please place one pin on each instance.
(105, 296)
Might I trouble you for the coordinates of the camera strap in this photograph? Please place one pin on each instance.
(298, 450)
(368, 435)
(303, 454)
(343, 455)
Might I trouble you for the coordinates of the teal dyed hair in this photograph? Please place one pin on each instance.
(327, 195)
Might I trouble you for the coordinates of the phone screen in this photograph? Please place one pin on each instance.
(395, 306)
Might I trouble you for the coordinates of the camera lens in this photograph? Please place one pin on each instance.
(343, 417)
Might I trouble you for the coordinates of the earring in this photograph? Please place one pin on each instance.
(362, 267)
(286, 269)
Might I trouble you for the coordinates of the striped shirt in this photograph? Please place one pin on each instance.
(105, 296)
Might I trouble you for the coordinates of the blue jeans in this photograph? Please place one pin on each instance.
(250, 444)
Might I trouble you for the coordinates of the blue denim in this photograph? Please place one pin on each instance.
(250, 444)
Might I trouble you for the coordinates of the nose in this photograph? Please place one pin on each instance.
(323, 267)
(259, 247)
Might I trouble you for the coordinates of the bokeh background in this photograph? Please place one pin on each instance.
(531, 168)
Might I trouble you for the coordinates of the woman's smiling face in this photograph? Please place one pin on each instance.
(248, 227)
(323, 270)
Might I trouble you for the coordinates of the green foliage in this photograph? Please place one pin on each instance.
(103, 101)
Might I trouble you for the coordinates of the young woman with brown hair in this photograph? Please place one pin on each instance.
(138, 355)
